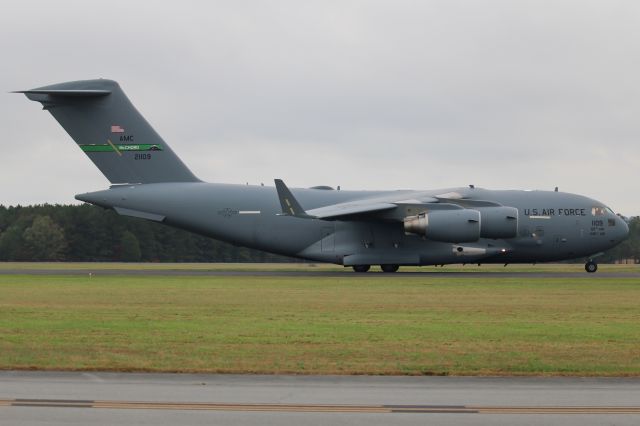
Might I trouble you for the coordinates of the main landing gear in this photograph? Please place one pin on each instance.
(389, 268)
(385, 268)
(590, 266)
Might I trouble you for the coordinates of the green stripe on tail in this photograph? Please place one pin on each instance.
(129, 147)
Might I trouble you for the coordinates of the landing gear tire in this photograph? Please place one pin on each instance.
(389, 268)
(361, 268)
(591, 266)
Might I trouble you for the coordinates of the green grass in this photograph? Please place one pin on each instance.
(323, 325)
(96, 266)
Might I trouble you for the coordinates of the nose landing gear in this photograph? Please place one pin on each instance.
(590, 266)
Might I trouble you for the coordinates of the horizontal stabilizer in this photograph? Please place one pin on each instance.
(71, 93)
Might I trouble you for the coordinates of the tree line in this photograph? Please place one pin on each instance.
(86, 233)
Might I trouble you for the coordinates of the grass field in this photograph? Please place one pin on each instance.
(328, 325)
(92, 266)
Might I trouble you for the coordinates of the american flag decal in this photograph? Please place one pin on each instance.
(116, 129)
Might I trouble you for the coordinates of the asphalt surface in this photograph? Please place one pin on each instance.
(346, 273)
(60, 398)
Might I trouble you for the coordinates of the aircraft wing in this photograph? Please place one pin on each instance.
(291, 207)
(386, 207)
(468, 203)
(348, 209)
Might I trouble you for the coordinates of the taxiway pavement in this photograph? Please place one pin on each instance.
(57, 398)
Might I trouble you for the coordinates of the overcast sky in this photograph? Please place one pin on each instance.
(362, 94)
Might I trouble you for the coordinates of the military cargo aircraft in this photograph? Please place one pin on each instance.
(350, 228)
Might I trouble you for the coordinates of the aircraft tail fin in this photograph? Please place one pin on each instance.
(114, 135)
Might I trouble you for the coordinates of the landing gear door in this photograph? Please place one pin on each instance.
(327, 242)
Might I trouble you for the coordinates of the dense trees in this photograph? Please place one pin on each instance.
(629, 248)
(44, 239)
(130, 247)
(89, 233)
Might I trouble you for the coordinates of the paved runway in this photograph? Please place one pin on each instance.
(57, 398)
(347, 273)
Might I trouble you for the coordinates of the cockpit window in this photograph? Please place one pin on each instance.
(597, 211)
(610, 211)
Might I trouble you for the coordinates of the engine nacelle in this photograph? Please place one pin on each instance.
(451, 226)
(498, 222)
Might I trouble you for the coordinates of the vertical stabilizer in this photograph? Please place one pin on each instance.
(114, 135)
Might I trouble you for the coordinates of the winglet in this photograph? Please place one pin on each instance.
(290, 206)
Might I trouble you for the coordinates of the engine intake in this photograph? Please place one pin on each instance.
(451, 226)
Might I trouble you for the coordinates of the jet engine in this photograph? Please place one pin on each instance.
(452, 226)
(498, 222)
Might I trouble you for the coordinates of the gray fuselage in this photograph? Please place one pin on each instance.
(551, 225)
